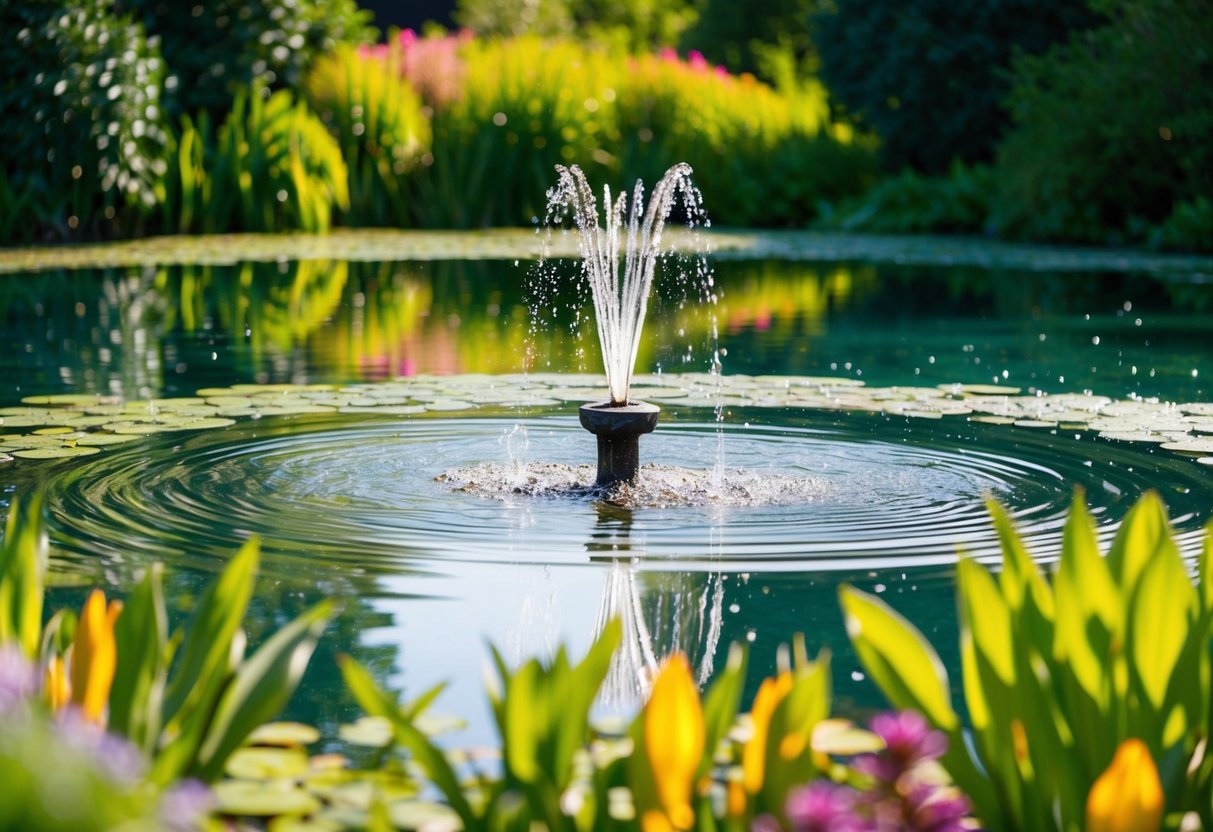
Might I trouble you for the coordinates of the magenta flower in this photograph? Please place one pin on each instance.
(909, 740)
(826, 807)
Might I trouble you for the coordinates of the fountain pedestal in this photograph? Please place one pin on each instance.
(618, 428)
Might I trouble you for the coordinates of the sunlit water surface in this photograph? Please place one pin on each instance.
(364, 510)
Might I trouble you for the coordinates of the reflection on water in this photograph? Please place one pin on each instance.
(352, 511)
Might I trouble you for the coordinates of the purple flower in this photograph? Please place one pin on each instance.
(184, 807)
(825, 807)
(908, 739)
(18, 677)
(931, 808)
(113, 755)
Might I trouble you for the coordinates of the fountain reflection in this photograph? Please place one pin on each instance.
(661, 612)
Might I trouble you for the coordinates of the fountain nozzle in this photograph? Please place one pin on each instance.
(618, 428)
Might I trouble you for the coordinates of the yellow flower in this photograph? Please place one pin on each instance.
(674, 740)
(94, 655)
(58, 690)
(1127, 797)
(771, 692)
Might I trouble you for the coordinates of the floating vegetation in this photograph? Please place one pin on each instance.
(65, 426)
(362, 245)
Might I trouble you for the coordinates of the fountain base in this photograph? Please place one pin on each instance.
(618, 428)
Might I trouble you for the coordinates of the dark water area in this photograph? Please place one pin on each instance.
(349, 507)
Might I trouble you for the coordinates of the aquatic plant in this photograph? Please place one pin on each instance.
(186, 702)
(1058, 675)
(377, 118)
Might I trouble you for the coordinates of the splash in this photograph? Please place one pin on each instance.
(621, 301)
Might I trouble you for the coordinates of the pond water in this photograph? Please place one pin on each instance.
(408, 370)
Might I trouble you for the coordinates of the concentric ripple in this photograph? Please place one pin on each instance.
(330, 497)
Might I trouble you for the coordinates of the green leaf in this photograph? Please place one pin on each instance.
(262, 686)
(1160, 618)
(1206, 569)
(897, 657)
(722, 702)
(141, 633)
(23, 560)
(525, 709)
(208, 641)
(1144, 532)
(986, 615)
(377, 703)
(1021, 577)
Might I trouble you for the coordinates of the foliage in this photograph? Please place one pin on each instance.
(1059, 674)
(80, 118)
(910, 202)
(760, 157)
(527, 105)
(186, 702)
(377, 118)
(217, 48)
(636, 25)
(929, 76)
(271, 166)
(1111, 129)
(1190, 227)
(771, 38)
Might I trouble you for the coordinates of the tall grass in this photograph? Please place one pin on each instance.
(377, 119)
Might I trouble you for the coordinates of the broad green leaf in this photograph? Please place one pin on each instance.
(1161, 615)
(789, 752)
(986, 615)
(901, 662)
(1144, 532)
(262, 686)
(141, 632)
(574, 704)
(377, 703)
(1021, 576)
(526, 710)
(23, 561)
(1206, 569)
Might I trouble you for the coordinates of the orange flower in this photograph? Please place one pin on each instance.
(674, 740)
(771, 692)
(58, 689)
(1127, 797)
(94, 656)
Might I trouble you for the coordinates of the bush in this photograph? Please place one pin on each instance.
(1112, 129)
(760, 157)
(637, 25)
(81, 121)
(216, 48)
(929, 76)
(377, 119)
(911, 203)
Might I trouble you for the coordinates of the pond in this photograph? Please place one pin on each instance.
(317, 401)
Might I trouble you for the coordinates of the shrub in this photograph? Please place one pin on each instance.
(929, 76)
(1112, 129)
(638, 25)
(961, 202)
(216, 48)
(81, 121)
(271, 166)
(377, 119)
(760, 157)
(1059, 675)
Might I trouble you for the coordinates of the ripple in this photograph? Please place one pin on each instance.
(363, 498)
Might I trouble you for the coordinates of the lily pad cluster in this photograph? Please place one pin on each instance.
(75, 425)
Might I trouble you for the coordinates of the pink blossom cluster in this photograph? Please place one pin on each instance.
(432, 64)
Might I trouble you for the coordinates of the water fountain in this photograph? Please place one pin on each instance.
(620, 302)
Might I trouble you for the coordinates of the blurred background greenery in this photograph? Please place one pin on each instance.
(1070, 120)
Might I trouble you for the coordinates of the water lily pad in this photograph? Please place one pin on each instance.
(65, 399)
(841, 737)
(1035, 423)
(56, 453)
(138, 428)
(390, 410)
(205, 423)
(1192, 446)
(102, 439)
(284, 734)
(260, 798)
(415, 814)
(444, 405)
(993, 420)
(267, 763)
(24, 421)
(1133, 436)
(5, 457)
(1206, 460)
(371, 731)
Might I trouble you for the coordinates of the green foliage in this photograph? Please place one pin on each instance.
(217, 48)
(1189, 228)
(81, 120)
(23, 560)
(378, 121)
(636, 25)
(1112, 129)
(271, 166)
(913, 203)
(772, 39)
(929, 76)
(1057, 674)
